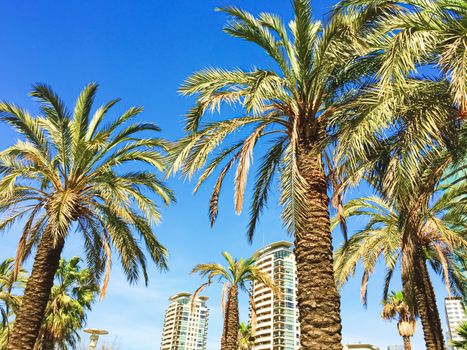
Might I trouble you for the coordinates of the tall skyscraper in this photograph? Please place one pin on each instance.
(185, 327)
(455, 314)
(275, 322)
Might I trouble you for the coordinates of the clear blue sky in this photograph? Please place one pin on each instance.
(141, 51)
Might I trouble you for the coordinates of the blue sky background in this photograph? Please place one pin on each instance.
(141, 51)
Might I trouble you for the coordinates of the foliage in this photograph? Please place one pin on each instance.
(246, 338)
(441, 236)
(318, 71)
(462, 332)
(72, 295)
(66, 175)
(9, 299)
(396, 308)
(239, 273)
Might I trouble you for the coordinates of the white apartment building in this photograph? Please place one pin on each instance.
(185, 328)
(360, 347)
(455, 314)
(275, 322)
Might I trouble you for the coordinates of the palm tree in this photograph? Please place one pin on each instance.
(66, 176)
(72, 295)
(391, 224)
(381, 238)
(395, 307)
(462, 332)
(236, 276)
(246, 339)
(9, 299)
(293, 107)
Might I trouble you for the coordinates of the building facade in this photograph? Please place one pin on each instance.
(360, 347)
(275, 322)
(185, 326)
(455, 314)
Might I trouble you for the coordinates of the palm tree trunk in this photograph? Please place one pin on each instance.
(407, 344)
(231, 321)
(45, 343)
(425, 292)
(417, 281)
(318, 298)
(36, 296)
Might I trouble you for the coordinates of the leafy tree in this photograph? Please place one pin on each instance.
(405, 161)
(66, 176)
(423, 33)
(396, 308)
(236, 276)
(462, 332)
(294, 107)
(246, 339)
(382, 239)
(72, 295)
(9, 299)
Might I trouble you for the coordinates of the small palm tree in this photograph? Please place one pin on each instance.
(10, 284)
(72, 295)
(246, 339)
(67, 175)
(462, 332)
(395, 308)
(236, 276)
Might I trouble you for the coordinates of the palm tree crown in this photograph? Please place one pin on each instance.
(396, 308)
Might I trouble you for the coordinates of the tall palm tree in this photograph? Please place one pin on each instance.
(415, 232)
(65, 176)
(293, 107)
(10, 284)
(236, 276)
(246, 339)
(405, 161)
(72, 295)
(395, 307)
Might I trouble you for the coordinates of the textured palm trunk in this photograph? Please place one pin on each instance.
(416, 280)
(45, 343)
(231, 321)
(31, 312)
(318, 298)
(407, 344)
(426, 294)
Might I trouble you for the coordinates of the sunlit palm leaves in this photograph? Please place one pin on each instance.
(381, 238)
(10, 298)
(237, 275)
(314, 62)
(423, 33)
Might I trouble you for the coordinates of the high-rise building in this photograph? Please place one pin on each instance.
(455, 314)
(185, 323)
(275, 321)
(360, 347)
